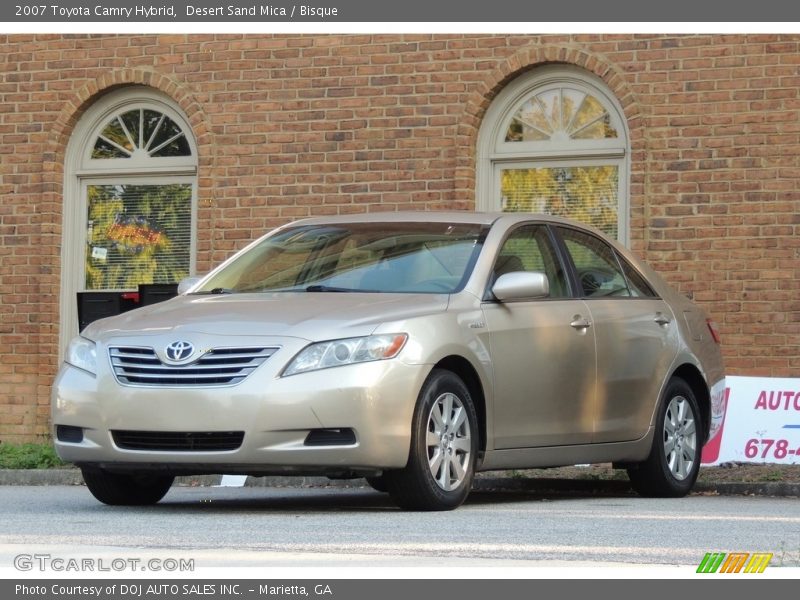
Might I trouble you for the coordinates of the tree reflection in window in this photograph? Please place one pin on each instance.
(560, 114)
(585, 193)
(142, 132)
(137, 234)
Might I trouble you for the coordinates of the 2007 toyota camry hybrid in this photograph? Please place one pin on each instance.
(412, 349)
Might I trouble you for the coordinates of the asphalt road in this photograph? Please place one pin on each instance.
(224, 527)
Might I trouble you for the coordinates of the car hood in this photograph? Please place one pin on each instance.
(311, 316)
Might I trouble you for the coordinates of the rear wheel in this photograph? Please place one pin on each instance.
(444, 444)
(674, 461)
(126, 489)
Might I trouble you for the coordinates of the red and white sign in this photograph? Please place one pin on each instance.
(754, 419)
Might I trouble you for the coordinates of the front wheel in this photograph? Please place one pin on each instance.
(674, 461)
(123, 489)
(444, 446)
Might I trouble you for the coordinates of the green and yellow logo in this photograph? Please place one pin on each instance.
(734, 562)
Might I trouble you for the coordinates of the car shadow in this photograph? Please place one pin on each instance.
(364, 499)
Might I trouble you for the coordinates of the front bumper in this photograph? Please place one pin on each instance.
(376, 400)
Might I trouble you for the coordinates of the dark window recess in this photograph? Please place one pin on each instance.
(330, 437)
(179, 441)
(68, 433)
(99, 305)
(150, 293)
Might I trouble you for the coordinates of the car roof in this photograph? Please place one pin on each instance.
(450, 216)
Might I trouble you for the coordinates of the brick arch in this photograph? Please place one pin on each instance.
(535, 56)
(83, 98)
(526, 60)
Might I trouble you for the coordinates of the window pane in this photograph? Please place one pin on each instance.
(596, 131)
(586, 194)
(168, 140)
(152, 120)
(561, 115)
(137, 234)
(596, 265)
(571, 102)
(177, 147)
(114, 132)
(410, 257)
(131, 120)
(637, 284)
(592, 121)
(529, 249)
(139, 130)
(103, 149)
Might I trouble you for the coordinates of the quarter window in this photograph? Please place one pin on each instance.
(599, 273)
(637, 284)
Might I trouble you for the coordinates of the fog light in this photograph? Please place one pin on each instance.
(68, 433)
(330, 437)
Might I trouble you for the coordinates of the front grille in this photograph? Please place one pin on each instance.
(219, 366)
(179, 441)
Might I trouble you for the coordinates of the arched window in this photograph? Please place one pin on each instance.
(555, 141)
(130, 197)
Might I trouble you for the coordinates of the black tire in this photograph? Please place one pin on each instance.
(668, 474)
(415, 487)
(122, 489)
(377, 483)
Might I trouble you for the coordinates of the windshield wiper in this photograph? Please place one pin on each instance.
(330, 288)
(217, 290)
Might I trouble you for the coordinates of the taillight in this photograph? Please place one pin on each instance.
(712, 327)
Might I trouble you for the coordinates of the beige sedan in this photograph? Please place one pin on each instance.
(412, 349)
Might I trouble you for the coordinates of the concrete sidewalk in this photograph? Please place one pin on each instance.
(483, 481)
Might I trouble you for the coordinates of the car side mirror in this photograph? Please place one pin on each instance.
(188, 283)
(521, 285)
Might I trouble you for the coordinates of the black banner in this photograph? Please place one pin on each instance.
(395, 589)
(408, 11)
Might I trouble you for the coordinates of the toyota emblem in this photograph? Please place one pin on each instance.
(179, 351)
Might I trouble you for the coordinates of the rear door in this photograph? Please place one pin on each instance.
(635, 334)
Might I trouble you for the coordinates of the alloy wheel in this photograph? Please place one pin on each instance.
(449, 441)
(680, 438)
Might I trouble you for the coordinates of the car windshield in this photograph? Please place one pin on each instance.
(357, 257)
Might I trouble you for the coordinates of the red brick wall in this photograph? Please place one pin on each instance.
(294, 126)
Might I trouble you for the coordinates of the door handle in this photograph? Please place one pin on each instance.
(662, 319)
(578, 322)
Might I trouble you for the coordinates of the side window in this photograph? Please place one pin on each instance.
(637, 284)
(529, 249)
(598, 270)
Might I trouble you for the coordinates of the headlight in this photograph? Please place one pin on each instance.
(82, 353)
(349, 351)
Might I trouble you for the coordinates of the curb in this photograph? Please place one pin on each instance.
(483, 482)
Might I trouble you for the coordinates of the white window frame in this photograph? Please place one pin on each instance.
(494, 153)
(81, 170)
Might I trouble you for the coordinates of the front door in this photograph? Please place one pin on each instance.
(543, 356)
